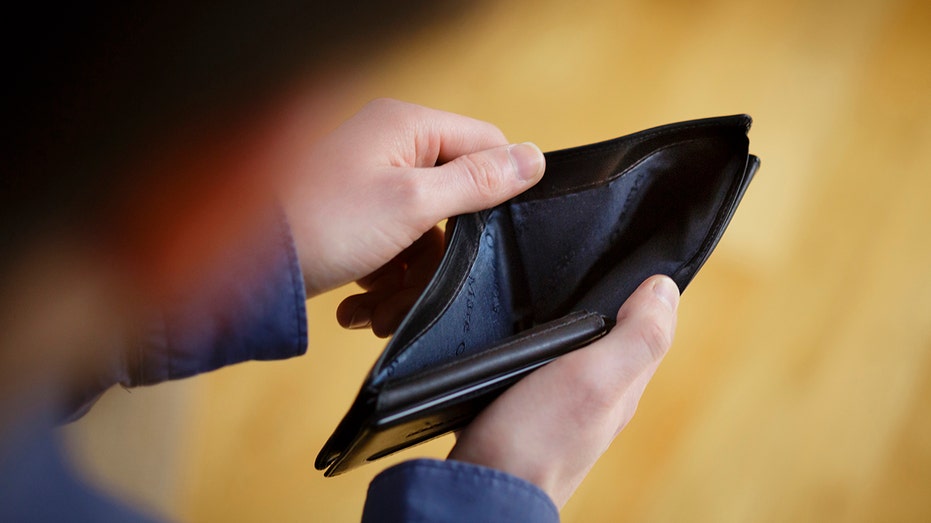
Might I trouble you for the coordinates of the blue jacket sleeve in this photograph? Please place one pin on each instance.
(251, 307)
(37, 485)
(452, 491)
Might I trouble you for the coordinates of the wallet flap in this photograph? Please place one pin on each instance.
(418, 408)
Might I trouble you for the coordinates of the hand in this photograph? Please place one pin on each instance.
(553, 425)
(370, 194)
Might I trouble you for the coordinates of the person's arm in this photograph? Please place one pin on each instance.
(250, 307)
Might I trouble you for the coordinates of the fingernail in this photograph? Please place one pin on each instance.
(527, 159)
(359, 320)
(667, 291)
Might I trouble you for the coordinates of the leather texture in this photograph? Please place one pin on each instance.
(544, 274)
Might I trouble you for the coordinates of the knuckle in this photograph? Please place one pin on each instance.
(395, 113)
(484, 175)
(428, 147)
(655, 334)
(492, 131)
(417, 195)
(382, 105)
(596, 391)
(410, 190)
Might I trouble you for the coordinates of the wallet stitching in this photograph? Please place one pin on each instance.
(646, 135)
(621, 142)
(718, 226)
(584, 187)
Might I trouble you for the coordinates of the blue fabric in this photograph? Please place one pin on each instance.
(451, 491)
(37, 486)
(250, 308)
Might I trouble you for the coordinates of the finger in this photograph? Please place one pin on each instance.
(458, 135)
(383, 311)
(413, 265)
(645, 326)
(390, 312)
(478, 180)
(355, 312)
(612, 373)
(425, 259)
(394, 288)
(388, 276)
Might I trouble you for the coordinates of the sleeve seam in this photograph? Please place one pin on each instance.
(297, 281)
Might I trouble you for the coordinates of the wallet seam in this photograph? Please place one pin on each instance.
(627, 141)
(714, 235)
(589, 186)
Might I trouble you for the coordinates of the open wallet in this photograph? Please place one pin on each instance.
(544, 274)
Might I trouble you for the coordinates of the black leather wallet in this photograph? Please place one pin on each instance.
(545, 273)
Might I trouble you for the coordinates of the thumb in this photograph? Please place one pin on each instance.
(483, 179)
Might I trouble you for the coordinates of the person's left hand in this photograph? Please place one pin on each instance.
(369, 196)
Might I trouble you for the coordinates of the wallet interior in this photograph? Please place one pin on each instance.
(570, 247)
(555, 263)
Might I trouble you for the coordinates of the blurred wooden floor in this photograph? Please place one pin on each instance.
(799, 385)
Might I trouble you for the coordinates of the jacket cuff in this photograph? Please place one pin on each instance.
(250, 308)
(454, 491)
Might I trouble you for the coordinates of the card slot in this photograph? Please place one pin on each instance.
(427, 405)
(516, 354)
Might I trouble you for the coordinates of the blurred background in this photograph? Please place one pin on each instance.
(799, 383)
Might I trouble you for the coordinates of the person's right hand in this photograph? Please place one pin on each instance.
(551, 427)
